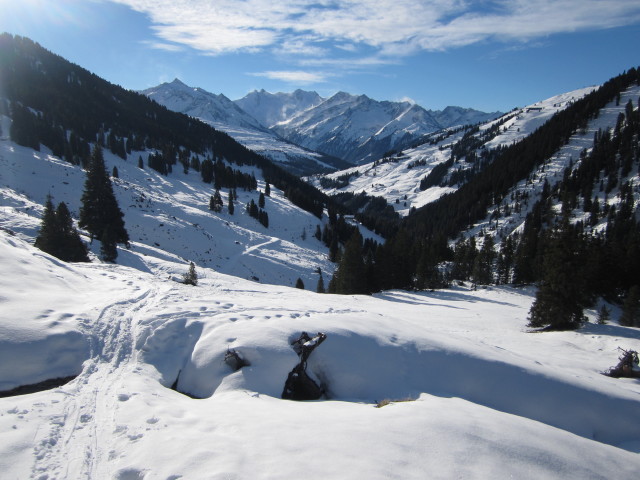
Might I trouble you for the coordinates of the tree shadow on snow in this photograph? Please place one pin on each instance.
(415, 298)
(609, 330)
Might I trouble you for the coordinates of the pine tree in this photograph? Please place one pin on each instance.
(263, 218)
(191, 277)
(320, 286)
(350, 276)
(604, 315)
(261, 200)
(560, 300)
(300, 284)
(215, 202)
(58, 237)
(140, 163)
(483, 263)
(72, 248)
(267, 190)
(99, 208)
(631, 308)
(108, 247)
(47, 240)
(230, 204)
(114, 173)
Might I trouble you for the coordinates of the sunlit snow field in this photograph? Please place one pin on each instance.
(486, 398)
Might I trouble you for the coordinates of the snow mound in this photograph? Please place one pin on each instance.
(37, 342)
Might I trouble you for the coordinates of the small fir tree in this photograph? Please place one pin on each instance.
(215, 202)
(604, 315)
(191, 277)
(300, 284)
(230, 204)
(47, 236)
(320, 287)
(57, 235)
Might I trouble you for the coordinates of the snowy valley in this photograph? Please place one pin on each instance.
(119, 370)
(470, 393)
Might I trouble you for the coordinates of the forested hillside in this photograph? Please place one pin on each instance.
(66, 108)
(581, 224)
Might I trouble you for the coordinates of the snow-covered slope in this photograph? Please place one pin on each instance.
(216, 110)
(472, 394)
(523, 196)
(397, 177)
(224, 115)
(359, 129)
(272, 108)
(348, 125)
(168, 217)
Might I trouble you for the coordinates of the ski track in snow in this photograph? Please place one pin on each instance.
(78, 439)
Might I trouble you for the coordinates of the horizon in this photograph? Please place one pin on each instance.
(486, 55)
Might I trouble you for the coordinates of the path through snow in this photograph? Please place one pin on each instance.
(78, 439)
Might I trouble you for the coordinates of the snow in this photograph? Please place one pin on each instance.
(553, 170)
(226, 116)
(400, 175)
(473, 393)
(168, 218)
(465, 389)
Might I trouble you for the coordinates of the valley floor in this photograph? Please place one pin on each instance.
(485, 397)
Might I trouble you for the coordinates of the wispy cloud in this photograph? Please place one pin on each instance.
(293, 76)
(391, 27)
(169, 47)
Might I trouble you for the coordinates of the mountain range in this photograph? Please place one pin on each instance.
(310, 134)
(226, 116)
(438, 369)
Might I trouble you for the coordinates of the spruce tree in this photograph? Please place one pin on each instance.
(191, 277)
(631, 308)
(560, 299)
(230, 204)
(47, 240)
(604, 315)
(261, 200)
(72, 248)
(320, 286)
(482, 272)
(100, 211)
(300, 284)
(108, 247)
(215, 202)
(58, 237)
(350, 276)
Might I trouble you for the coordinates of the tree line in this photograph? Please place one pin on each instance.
(66, 108)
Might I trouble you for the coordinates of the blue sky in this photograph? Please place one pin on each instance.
(485, 54)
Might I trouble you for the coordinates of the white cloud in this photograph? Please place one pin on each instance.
(169, 47)
(293, 76)
(391, 27)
